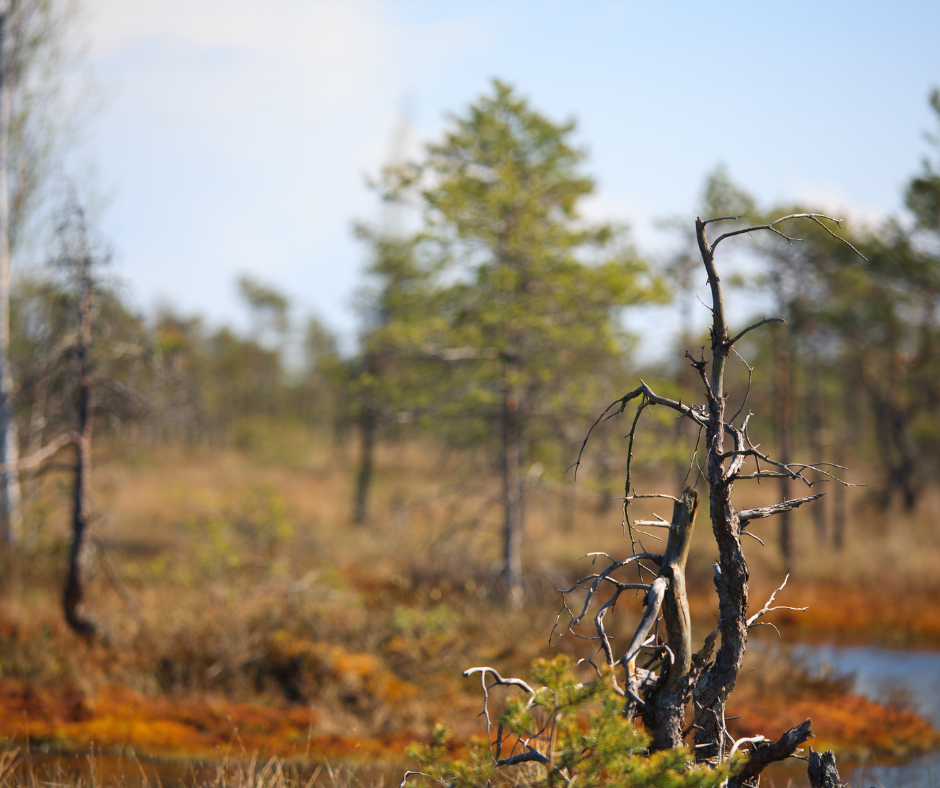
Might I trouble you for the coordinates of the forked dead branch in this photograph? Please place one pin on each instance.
(704, 679)
(679, 692)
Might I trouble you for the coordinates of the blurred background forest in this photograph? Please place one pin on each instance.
(272, 528)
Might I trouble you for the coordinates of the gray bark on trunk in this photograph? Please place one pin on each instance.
(74, 591)
(511, 462)
(731, 571)
(368, 423)
(822, 770)
(710, 681)
(664, 709)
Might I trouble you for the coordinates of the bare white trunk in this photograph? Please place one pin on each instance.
(10, 515)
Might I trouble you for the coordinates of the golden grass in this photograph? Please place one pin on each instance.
(19, 767)
(265, 614)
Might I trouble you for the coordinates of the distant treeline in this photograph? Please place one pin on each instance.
(499, 323)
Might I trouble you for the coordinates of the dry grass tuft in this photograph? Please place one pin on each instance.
(265, 616)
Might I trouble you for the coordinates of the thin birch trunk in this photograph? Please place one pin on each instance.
(37, 432)
(10, 514)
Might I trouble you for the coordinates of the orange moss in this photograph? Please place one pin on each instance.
(865, 613)
(851, 725)
(118, 718)
(844, 613)
(372, 628)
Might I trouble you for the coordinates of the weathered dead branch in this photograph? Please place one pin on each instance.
(769, 511)
(762, 754)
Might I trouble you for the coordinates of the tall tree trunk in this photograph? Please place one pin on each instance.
(839, 505)
(731, 572)
(567, 492)
(368, 430)
(897, 452)
(10, 515)
(368, 424)
(74, 591)
(37, 430)
(511, 462)
(844, 447)
(816, 425)
(782, 406)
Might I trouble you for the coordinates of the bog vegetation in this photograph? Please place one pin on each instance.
(221, 540)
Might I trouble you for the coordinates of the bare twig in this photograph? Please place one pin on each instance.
(768, 609)
(777, 508)
(753, 536)
(758, 324)
(38, 458)
(745, 740)
(688, 473)
(405, 777)
(660, 523)
(497, 679)
(626, 485)
(772, 227)
(602, 632)
(722, 219)
(747, 391)
(598, 578)
(622, 402)
(696, 414)
(530, 754)
(637, 496)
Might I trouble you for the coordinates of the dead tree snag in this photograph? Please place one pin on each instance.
(660, 691)
(664, 712)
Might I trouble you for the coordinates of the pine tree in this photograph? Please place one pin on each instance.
(528, 293)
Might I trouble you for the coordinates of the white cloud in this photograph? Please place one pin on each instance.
(239, 133)
(340, 43)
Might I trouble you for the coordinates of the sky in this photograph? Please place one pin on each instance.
(238, 136)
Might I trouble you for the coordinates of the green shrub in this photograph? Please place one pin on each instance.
(563, 732)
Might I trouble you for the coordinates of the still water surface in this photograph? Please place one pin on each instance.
(884, 675)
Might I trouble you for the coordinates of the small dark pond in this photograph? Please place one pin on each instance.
(883, 674)
(911, 677)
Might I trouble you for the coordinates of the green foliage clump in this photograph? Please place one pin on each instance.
(564, 732)
(252, 528)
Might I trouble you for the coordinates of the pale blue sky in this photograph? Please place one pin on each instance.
(238, 133)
